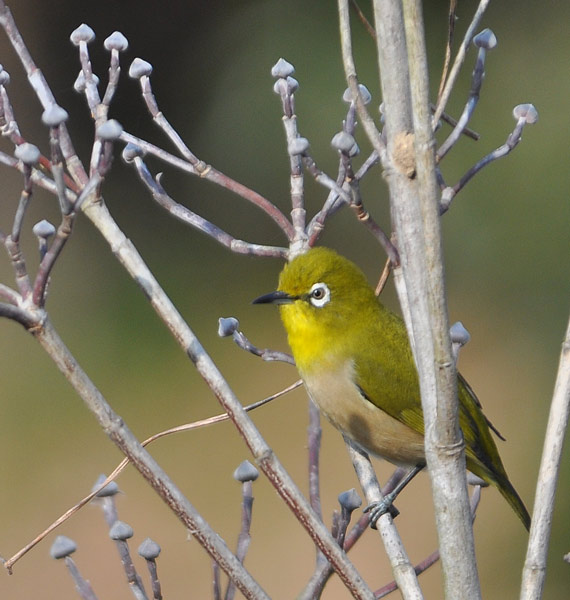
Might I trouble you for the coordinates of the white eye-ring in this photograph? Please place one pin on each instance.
(319, 295)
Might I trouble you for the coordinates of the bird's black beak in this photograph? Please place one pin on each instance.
(275, 298)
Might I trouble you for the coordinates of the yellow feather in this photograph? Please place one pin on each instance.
(356, 362)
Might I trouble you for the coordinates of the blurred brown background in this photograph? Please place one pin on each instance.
(507, 264)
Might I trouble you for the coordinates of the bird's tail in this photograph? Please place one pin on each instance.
(510, 494)
(497, 476)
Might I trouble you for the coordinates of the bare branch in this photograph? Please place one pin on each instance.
(246, 473)
(525, 114)
(22, 206)
(119, 433)
(401, 567)
(17, 314)
(9, 295)
(534, 570)
(126, 461)
(458, 62)
(430, 560)
(345, 143)
(115, 43)
(54, 117)
(353, 199)
(81, 37)
(49, 259)
(448, 46)
(285, 86)
(141, 70)
(82, 585)
(19, 265)
(363, 20)
(424, 275)
(230, 326)
(215, 176)
(352, 80)
(383, 277)
(323, 571)
(314, 434)
(189, 217)
(485, 40)
(453, 122)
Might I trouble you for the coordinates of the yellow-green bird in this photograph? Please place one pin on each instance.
(355, 360)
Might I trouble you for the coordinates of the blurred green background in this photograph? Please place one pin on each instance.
(507, 265)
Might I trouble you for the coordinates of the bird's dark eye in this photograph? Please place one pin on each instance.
(319, 295)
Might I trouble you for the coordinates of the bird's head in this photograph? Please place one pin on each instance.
(323, 297)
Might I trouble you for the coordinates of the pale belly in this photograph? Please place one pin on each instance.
(339, 399)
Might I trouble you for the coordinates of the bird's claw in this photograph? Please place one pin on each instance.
(377, 509)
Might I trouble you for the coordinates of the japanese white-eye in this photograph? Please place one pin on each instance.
(355, 360)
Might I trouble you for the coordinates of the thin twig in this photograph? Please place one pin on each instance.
(213, 175)
(10, 295)
(330, 206)
(20, 269)
(323, 570)
(125, 462)
(384, 277)
(449, 193)
(162, 122)
(133, 578)
(48, 261)
(91, 92)
(474, 93)
(25, 197)
(448, 46)
(81, 584)
(113, 81)
(430, 560)
(458, 62)
(191, 218)
(333, 203)
(364, 217)
(363, 19)
(216, 583)
(352, 80)
(201, 168)
(57, 169)
(119, 433)
(453, 122)
(401, 566)
(286, 86)
(244, 537)
(17, 314)
(314, 434)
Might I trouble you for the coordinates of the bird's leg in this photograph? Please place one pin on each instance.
(377, 509)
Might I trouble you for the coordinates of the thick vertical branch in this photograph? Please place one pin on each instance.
(413, 191)
(443, 440)
(399, 184)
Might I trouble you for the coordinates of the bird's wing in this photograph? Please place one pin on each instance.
(390, 382)
(462, 383)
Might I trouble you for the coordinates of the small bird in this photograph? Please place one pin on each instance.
(355, 360)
